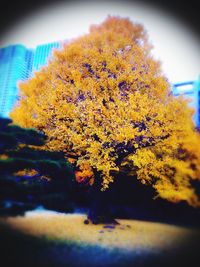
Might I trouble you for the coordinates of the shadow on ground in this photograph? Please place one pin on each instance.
(18, 249)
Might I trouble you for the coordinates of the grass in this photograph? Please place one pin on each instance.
(67, 241)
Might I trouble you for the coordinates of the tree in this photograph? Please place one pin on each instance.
(104, 101)
(25, 170)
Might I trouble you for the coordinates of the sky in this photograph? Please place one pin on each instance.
(175, 44)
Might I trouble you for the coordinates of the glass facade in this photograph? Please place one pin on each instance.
(190, 89)
(43, 53)
(17, 63)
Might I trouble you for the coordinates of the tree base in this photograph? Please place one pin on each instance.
(100, 219)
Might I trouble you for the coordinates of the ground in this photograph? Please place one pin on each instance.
(57, 239)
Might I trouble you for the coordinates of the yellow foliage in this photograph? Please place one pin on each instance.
(29, 172)
(3, 157)
(104, 99)
(85, 174)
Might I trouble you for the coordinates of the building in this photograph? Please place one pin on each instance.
(15, 65)
(191, 89)
(43, 53)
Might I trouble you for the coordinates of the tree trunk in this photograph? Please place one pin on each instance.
(100, 209)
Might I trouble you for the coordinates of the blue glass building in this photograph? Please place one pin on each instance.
(43, 53)
(15, 65)
(190, 89)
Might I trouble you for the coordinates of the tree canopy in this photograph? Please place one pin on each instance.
(104, 101)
